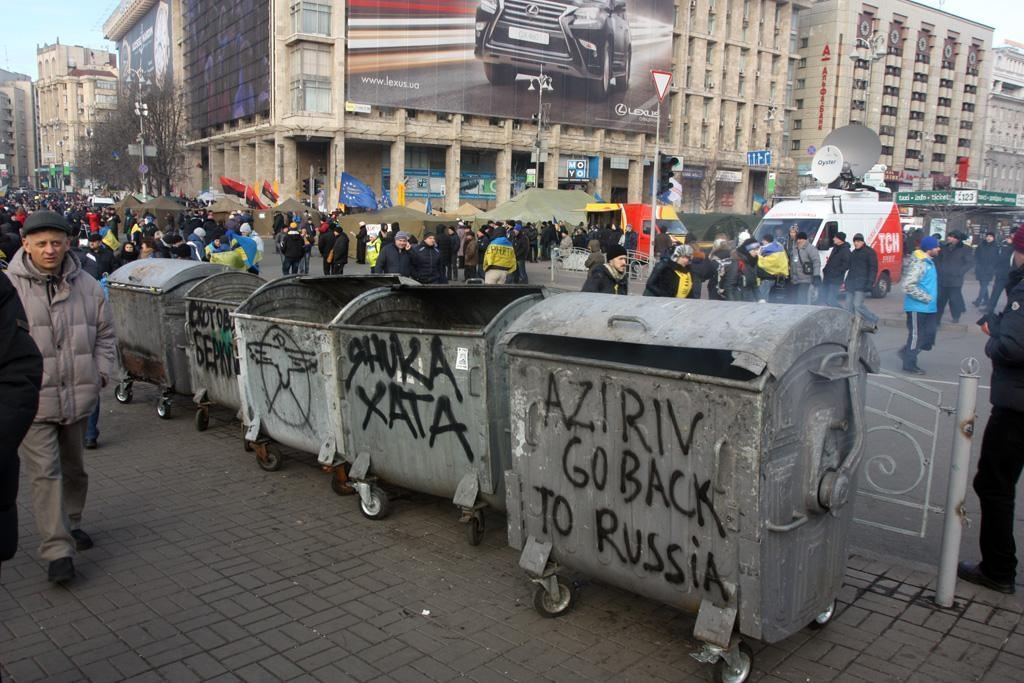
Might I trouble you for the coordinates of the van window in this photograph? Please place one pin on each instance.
(778, 228)
(827, 234)
(672, 226)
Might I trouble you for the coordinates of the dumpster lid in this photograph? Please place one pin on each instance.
(232, 286)
(759, 336)
(161, 274)
(335, 291)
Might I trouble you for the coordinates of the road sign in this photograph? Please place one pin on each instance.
(759, 157)
(662, 79)
(135, 150)
(577, 169)
(143, 169)
(812, 150)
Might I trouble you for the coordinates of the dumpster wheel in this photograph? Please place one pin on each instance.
(550, 607)
(823, 619)
(378, 506)
(163, 408)
(723, 673)
(123, 393)
(268, 456)
(475, 529)
(202, 419)
(339, 481)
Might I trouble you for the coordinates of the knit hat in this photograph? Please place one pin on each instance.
(681, 251)
(245, 229)
(841, 235)
(615, 251)
(293, 224)
(401, 235)
(45, 220)
(199, 232)
(751, 245)
(928, 243)
(858, 237)
(1018, 239)
(95, 237)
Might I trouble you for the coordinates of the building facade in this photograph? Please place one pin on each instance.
(77, 87)
(17, 130)
(1004, 131)
(450, 103)
(915, 74)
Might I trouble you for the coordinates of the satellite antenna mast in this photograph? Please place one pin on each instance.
(846, 154)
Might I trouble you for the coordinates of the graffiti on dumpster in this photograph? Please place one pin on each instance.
(285, 369)
(623, 448)
(212, 338)
(403, 387)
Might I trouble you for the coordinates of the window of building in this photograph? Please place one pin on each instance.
(795, 146)
(801, 83)
(921, 97)
(941, 139)
(799, 104)
(311, 78)
(798, 124)
(968, 106)
(888, 111)
(311, 17)
(804, 42)
(945, 101)
(913, 154)
(709, 53)
(942, 120)
(963, 142)
(891, 90)
(966, 125)
(886, 150)
(945, 83)
(802, 63)
(917, 116)
(938, 157)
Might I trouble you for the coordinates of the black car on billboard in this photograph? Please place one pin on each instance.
(586, 39)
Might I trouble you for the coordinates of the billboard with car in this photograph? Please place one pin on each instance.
(590, 60)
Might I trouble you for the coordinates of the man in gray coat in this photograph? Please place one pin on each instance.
(69, 321)
(804, 267)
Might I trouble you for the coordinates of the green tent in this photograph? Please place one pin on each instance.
(704, 227)
(409, 220)
(536, 205)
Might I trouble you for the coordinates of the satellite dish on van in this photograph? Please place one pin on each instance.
(861, 147)
(827, 164)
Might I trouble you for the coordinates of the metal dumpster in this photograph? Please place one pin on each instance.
(148, 303)
(210, 340)
(288, 359)
(425, 395)
(699, 453)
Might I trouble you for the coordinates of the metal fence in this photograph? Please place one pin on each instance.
(574, 260)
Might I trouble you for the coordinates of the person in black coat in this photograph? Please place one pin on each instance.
(98, 259)
(1001, 273)
(361, 238)
(339, 251)
(395, 257)
(675, 276)
(521, 244)
(834, 272)
(953, 263)
(610, 277)
(860, 278)
(985, 257)
(325, 245)
(21, 375)
(427, 261)
(443, 244)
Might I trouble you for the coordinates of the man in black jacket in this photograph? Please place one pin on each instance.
(985, 258)
(834, 272)
(339, 250)
(1003, 260)
(953, 263)
(21, 374)
(610, 277)
(444, 246)
(860, 278)
(521, 244)
(427, 261)
(98, 259)
(395, 257)
(1002, 447)
(325, 244)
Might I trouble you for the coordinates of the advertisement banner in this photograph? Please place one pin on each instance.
(589, 59)
(227, 54)
(146, 48)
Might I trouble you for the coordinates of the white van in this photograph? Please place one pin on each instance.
(823, 212)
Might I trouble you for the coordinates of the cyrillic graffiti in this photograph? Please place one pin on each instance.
(212, 338)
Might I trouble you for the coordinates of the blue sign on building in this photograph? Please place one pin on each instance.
(759, 157)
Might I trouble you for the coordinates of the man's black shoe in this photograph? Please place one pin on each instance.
(90, 444)
(971, 572)
(82, 540)
(914, 370)
(62, 570)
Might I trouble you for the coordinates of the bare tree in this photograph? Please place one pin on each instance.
(107, 160)
(708, 194)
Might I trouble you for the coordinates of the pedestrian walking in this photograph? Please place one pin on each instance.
(953, 263)
(675, 276)
(21, 374)
(1002, 446)
(860, 278)
(1001, 273)
(609, 277)
(662, 242)
(325, 245)
(69, 320)
(521, 244)
(293, 249)
(361, 238)
(448, 251)
(804, 266)
(834, 272)
(985, 263)
(338, 258)
(428, 262)
(921, 288)
(470, 254)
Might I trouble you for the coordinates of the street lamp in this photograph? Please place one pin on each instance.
(869, 50)
(142, 111)
(540, 83)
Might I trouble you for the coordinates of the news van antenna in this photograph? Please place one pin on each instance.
(861, 147)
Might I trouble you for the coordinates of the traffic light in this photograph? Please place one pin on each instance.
(666, 169)
(306, 188)
(317, 185)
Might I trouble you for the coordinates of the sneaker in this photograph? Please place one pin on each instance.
(913, 370)
(82, 539)
(62, 570)
(91, 444)
(971, 572)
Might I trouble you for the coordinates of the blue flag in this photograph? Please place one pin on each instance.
(355, 192)
(385, 200)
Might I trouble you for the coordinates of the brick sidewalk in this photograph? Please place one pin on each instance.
(207, 568)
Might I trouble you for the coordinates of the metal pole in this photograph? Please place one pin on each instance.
(956, 515)
(655, 172)
(540, 125)
(142, 145)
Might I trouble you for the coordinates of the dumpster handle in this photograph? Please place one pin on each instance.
(834, 486)
(798, 521)
(627, 319)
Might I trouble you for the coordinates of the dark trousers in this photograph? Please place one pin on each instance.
(983, 282)
(471, 272)
(291, 266)
(800, 293)
(920, 336)
(955, 298)
(520, 277)
(999, 469)
(998, 288)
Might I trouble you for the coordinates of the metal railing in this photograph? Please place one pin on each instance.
(574, 261)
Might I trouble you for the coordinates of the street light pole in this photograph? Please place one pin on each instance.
(542, 83)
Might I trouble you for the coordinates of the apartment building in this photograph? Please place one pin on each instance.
(76, 87)
(917, 75)
(1004, 130)
(467, 107)
(17, 130)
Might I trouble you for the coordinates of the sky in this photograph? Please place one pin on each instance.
(80, 22)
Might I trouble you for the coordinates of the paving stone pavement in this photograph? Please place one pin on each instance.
(207, 568)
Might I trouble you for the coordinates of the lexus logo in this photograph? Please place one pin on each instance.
(532, 10)
(621, 109)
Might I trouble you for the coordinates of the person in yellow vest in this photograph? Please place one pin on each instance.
(373, 245)
(674, 276)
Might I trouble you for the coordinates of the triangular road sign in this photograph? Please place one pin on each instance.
(661, 81)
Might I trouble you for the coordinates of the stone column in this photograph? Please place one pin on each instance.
(503, 174)
(397, 165)
(246, 163)
(289, 180)
(452, 176)
(334, 170)
(635, 189)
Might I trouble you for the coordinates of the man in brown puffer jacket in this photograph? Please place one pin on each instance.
(69, 320)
